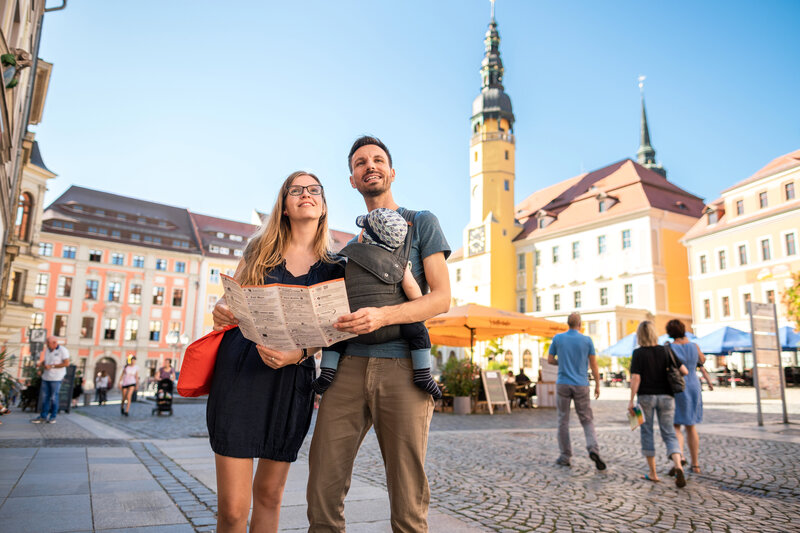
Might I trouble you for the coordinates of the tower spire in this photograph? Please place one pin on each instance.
(646, 154)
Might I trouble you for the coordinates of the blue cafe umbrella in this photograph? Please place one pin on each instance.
(626, 345)
(724, 341)
(790, 339)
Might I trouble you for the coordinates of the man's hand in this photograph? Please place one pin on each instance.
(223, 317)
(275, 359)
(596, 390)
(364, 320)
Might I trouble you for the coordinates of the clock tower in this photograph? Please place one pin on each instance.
(491, 225)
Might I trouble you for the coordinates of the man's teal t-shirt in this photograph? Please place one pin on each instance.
(427, 239)
(573, 350)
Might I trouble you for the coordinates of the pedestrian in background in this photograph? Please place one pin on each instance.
(166, 371)
(55, 363)
(649, 380)
(574, 353)
(689, 403)
(128, 381)
(101, 383)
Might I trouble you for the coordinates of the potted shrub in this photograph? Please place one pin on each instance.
(459, 379)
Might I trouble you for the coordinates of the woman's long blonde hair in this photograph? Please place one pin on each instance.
(267, 246)
(646, 334)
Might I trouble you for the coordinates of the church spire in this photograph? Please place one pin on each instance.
(646, 155)
(492, 65)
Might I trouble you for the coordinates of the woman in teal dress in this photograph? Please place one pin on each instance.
(689, 403)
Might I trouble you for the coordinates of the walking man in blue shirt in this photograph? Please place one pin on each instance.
(574, 353)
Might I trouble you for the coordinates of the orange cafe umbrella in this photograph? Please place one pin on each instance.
(465, 324)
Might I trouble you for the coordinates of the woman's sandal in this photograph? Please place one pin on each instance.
(680, 479)
(647, 477)
(695, 469)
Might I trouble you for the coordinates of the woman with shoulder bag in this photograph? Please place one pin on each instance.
(260, 403)
(689, 403)
(650, 365)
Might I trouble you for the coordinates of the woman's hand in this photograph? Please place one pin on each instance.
(630, 408)
(223, 316)
(275, 359)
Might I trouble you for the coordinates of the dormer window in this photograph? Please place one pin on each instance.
(544, 219)
(713, 217)
(604, 201)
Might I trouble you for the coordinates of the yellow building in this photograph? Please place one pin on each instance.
(746, 246)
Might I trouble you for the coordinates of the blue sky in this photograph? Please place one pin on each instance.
(209, 105)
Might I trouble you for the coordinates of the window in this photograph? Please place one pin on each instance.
(237, 238)
(770, 297)
(100, 212)
(556, 302)
(211, 302)
(739, 207)
(577, 299)
(158, 295)
(180, 266)
(109, 329)
(601, 244)
(60, 326)
(723, 264)
(117, 234)
(602, 206)
(521, 308)
(238, 253)
(791, 246)
(174, 327)
(538, 303)
(136, 237)
(96, 255)
(592, 326)
(604, 296)
(46, 249)
(224, 250)
(17, 286)
(177, 297)
(458, 274)
(87, 327)
(506, 186)
(42, 281)
(626, 239)
(726, 306)
(742, 254)
(762, 200)
(555, 254)
(92, 229)
(22, 225)
(37, 320)
(537, 258)
(713, 217)
(527, 359)
(213, 275)
(706, 308)
(155, 330)
(103, 231)
(64, 289)
(69, 252)
(703, 264)
(213, 248)
(114, 288)
(131, 329)
(117, 258)
(576, 250)
(161, 264)
(628, 293)
(520, 261)
(788, 191)
(766, 253)
(92, 286)
(746, 302)
(121, 216)
(220, 235)
(135, 296)
(138, 261)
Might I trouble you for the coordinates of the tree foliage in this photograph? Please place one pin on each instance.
(791, 299)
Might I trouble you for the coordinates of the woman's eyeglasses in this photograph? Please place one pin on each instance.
(297, 190)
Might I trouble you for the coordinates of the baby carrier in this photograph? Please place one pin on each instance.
(163, 397)
(373, 275)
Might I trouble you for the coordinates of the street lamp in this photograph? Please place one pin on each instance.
(177, 341)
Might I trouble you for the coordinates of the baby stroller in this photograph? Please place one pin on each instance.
(163, 398)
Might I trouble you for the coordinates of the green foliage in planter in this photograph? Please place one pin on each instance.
(502, 366)
(625, 362)
(6, 379)
(603, 361)
(459, 377)
(791, 299)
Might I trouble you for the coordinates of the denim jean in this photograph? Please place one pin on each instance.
(564, 396)
(50, 398)
(662, 405)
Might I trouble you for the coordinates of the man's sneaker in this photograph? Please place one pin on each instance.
(38, 420)
(51, 421)
(597, 461)
(561, 461)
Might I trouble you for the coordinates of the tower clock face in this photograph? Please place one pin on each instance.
(477, 240)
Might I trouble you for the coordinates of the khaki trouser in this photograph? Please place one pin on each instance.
(369, 391)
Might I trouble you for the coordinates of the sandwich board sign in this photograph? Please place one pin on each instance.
(495, 388)
(767, 368)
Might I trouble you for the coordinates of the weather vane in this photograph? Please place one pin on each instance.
(492, 2)
(641, 82)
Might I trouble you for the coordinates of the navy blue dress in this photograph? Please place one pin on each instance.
(689, 403)
(254, 410)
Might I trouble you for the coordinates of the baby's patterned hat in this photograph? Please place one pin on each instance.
(384, 227)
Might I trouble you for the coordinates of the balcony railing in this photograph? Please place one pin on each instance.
(492, 136)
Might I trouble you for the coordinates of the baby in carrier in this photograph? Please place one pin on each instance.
(387, 229)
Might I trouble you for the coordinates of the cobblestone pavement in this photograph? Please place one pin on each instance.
(498, 472)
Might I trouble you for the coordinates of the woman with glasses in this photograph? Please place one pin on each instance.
(261, 401)
(649, 380)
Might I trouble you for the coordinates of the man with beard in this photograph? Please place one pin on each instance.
(373, 385)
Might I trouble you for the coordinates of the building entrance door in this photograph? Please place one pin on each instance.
(110, 366)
